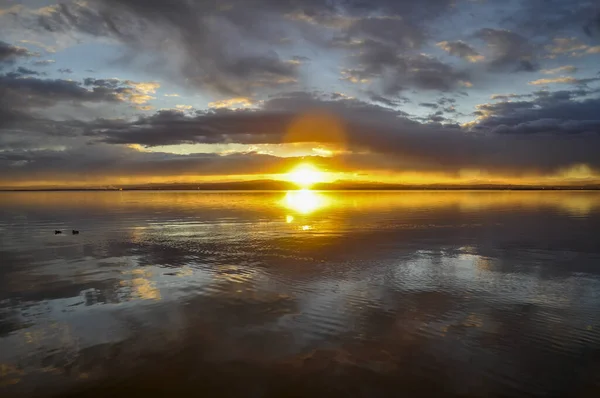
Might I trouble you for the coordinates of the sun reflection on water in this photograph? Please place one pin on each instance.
(304, 202)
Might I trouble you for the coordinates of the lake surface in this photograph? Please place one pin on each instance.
(271, 294)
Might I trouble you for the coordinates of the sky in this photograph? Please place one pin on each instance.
(117, 92)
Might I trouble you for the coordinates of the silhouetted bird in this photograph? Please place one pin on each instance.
(75, 232)
(56, 232)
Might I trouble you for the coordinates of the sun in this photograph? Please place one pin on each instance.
(305, 176)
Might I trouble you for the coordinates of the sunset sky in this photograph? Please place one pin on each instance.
(116, 92)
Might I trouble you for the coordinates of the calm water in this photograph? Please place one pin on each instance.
(300, 294)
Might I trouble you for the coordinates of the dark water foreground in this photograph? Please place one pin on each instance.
(300, 294)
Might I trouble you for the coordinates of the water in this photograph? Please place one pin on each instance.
(275, 294)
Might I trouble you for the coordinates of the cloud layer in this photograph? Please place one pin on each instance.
(386, 86)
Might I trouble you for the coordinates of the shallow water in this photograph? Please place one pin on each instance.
(300, 294)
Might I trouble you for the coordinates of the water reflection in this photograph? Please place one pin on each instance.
(576, 203)
(140, 285)
(439, 293)
(305, 201)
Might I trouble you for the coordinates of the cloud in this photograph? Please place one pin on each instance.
(506, 97)
(65, 70)
(563, 80)
(570, 46)
(26, 100)
(421, 145)
(393, 71)
(593, 50)
(552, 131)
(236, 50)
(396, 31)
(558, 112)
(9, 53)
(251, 61)
(22, 71)
(394, 103)
(36, 92)
(462, 50)
(44, 62)
(299, 59)
(48, 49)
(207, 52)
(510, 51)
(137, 93)
(560, 69)
(107, 83)
(103, 163)
(232, 103)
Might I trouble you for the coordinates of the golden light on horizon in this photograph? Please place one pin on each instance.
(305, 176)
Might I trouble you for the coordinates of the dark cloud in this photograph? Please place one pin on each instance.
(393, 71)
(385, 101)
(429, 105)
(547, 112)
(510, 51)
(9, 53)
(32, 92)
(429, 146)
(435, 118)
(107, 83)
(232, 49)
(208, 50)
(24, 98)
(550, 132)
(22, 71)
(446, 101)
(65, 70)
(111, 161)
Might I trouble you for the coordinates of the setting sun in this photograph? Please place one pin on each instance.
(305, 176)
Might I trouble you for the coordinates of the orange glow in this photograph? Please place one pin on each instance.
(577, 175)
(318, 126)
